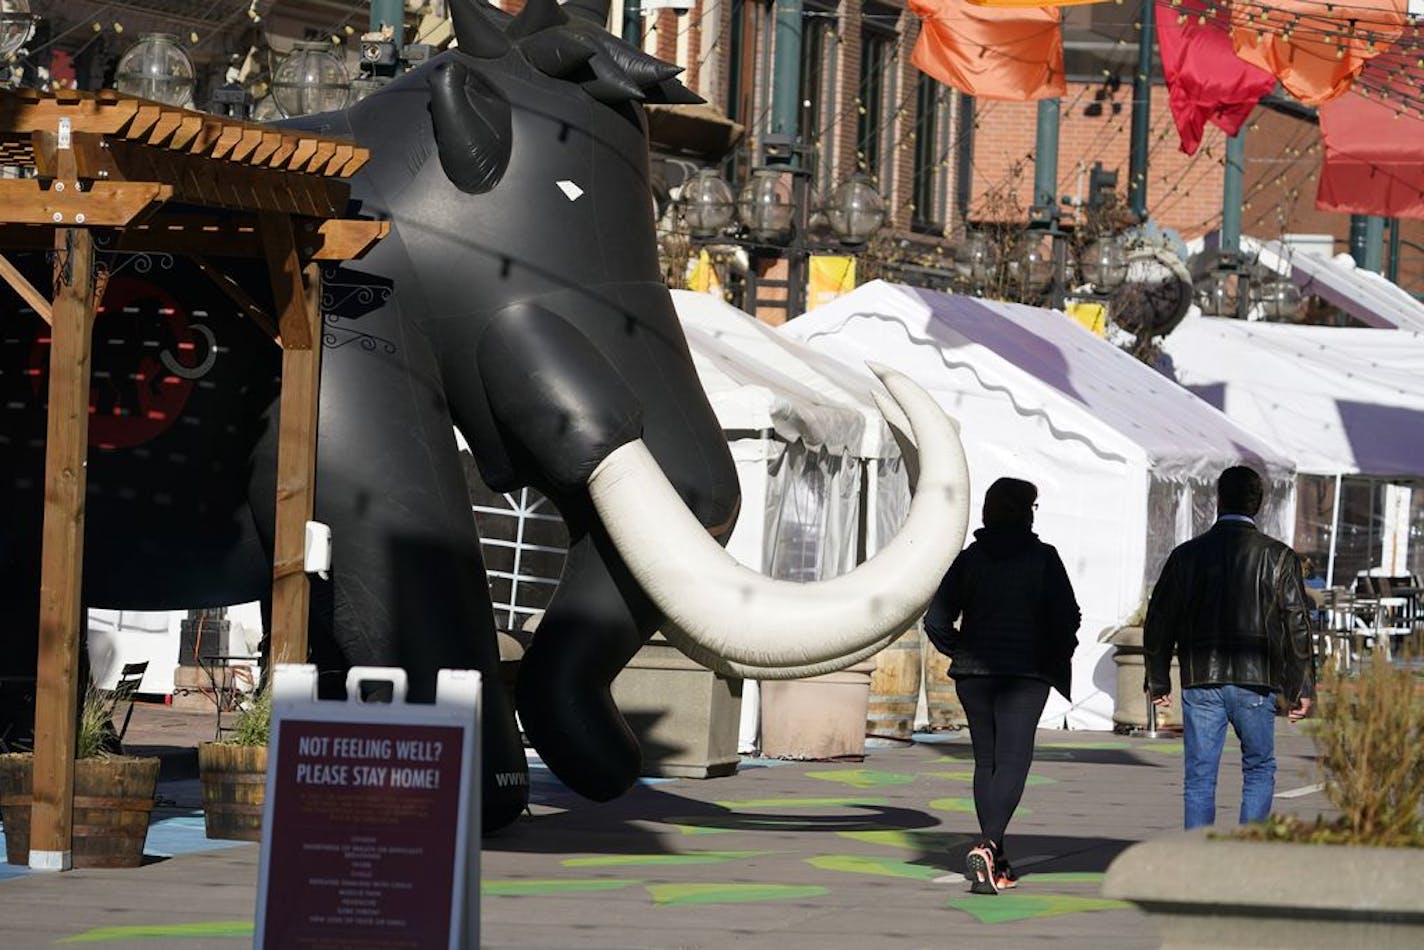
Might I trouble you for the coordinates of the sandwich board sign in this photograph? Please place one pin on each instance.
(370, 829)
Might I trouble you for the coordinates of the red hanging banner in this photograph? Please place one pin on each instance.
(1206, 80)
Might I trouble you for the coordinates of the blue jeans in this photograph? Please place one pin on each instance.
(1205, 712)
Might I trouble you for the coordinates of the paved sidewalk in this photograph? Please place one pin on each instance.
(782, 855)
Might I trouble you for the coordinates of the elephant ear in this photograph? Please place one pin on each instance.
(472, 127)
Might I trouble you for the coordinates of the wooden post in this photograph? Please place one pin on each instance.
(62, 564)
(297, 297)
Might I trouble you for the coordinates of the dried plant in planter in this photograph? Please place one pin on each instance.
(1370, 738)
(253, 725)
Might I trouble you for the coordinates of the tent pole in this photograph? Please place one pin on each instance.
(1334, 532)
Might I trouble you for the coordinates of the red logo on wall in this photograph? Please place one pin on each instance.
(146, 359)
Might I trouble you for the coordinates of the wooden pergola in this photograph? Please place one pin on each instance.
(176, 181)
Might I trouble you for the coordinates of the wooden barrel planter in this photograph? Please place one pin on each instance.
(113, 800)
(234, 779)
(941, 701)
(895, 689)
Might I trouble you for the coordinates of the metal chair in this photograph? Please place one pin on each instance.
(125, 690)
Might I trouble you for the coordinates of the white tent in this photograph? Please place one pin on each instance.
(1370, 298)
(1125, 461)
(886, 487)
(1341, 402)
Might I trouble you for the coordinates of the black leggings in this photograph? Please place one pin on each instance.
(1003, 713)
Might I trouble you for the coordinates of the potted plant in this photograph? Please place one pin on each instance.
(233, 773)
(1356, 879)
(113, 795)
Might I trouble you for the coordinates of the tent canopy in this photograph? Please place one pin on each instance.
(832, 381)
(1372, 299)
(1045, 365)
(1124, 459)
(1337, 400)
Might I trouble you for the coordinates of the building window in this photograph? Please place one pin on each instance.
(818, 83)
(928, 188)
(877, 49)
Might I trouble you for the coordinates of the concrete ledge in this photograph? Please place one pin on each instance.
(1213, 892)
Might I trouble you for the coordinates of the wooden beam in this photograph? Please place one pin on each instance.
(237, 295)
(103, 204)
(297, 293)
(62, 557)
(25, 289)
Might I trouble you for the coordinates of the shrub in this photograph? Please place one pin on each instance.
(1370, 738)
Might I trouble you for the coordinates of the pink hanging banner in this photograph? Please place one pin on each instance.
(1373, 149)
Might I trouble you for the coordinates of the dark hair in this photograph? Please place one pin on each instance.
(1239, 492)
(1009, 504)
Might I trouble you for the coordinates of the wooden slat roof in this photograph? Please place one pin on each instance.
(115, 115)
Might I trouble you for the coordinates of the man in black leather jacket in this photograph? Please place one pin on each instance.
(1230, 604)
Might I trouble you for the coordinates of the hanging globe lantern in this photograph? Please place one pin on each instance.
(1216, 294)
(311, 79)
(156, 68)
(16, 26)
(856, 210)
(765, 205)
(975, 260)
(707, 203)
(1278, 298)
(1104, 264)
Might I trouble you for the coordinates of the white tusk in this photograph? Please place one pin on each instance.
(716, 606)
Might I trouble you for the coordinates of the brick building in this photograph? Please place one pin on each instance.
(864, 107)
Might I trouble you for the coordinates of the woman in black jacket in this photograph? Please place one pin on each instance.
(1018, 626)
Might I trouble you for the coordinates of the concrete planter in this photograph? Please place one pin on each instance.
(1204, 892)
(821, 717)
(684, 715)
(1130, 704)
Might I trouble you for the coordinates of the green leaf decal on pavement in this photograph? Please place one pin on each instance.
(866, 802)
(1068, 877)
(533, 888)
(880, 867)
(236, 929)
(646, 860)
(925, 842)
(969, 777)
(671, 894)
(1007, 908)
(864, 778)
(1099, 745)
(967, 805)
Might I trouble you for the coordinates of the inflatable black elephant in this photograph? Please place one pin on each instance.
(519, 298)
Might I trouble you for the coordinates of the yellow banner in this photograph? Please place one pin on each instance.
(831, 276)
(1092, 316)
(702, 276)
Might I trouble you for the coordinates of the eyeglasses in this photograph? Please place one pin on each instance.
(1035, 506)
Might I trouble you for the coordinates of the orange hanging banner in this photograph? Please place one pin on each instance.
(1020, 4)
(1316, 50)
(991, 53)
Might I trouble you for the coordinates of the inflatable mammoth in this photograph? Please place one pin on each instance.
(518, 297)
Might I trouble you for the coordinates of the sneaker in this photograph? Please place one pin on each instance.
(1005, 876)
(980, 870)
